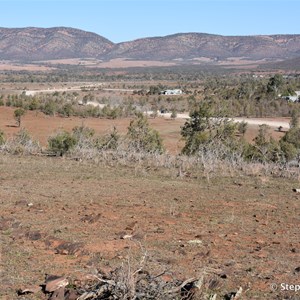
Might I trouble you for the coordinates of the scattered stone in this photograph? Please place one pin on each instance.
(68, 248)
(234, 295)
(58, 294)
(229, 263)
(260, 242)
(297, 270)
(21, 203)
(33, 235)
(54, 283)
(159, 230)
(126, 236)
(91, 218)
(29, 290)
(195, 242)
(131, 226)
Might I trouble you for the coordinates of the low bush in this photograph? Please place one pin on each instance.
(21, 143)
(61, 143)
(2, 138)
(142, 138)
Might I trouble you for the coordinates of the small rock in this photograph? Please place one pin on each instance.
(59, 294)
(91, 218)
(159, 230)
(54, 283)
(68, 248)
(195, 242)
(29, 290)
(33, 235)
(297, 270)
(131, 226)
(126, 236)
(21, 203)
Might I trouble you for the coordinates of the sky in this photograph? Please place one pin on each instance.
(124, 20)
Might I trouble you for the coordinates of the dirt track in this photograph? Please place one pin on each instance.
(272, 122)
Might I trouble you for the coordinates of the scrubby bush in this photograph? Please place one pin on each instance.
(21, 143)
(67, 110)
(206, 127)
(266, 148)
(2, 138)
(242, 127)
(173, 114)
(83, 132)
(49, 108)
(142, 137)
(109, 141)
(290, 143)
(61, 143)
(33, 104)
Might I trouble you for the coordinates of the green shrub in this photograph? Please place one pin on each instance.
(290, 143)
(2, 138)
(61, 143)
(50, 108)
(142, 137)
(206, 127)
(22, 143)
(289, 150)
(109, 141)
(33, 104)
(67, 110)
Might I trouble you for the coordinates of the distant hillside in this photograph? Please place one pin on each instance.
(195, 45)
(52, 43)
(32, 44)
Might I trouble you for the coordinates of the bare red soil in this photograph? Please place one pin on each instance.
(67, 218)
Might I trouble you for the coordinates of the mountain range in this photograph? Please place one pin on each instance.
(36, 44)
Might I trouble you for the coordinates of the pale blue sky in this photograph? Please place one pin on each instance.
(123, 20)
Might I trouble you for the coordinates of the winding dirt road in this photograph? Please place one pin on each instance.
(251, 121)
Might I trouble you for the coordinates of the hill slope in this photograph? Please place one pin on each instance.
(29, 44)
(193, 45)
(52, 43)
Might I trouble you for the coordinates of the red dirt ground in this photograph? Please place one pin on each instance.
(68, 218)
